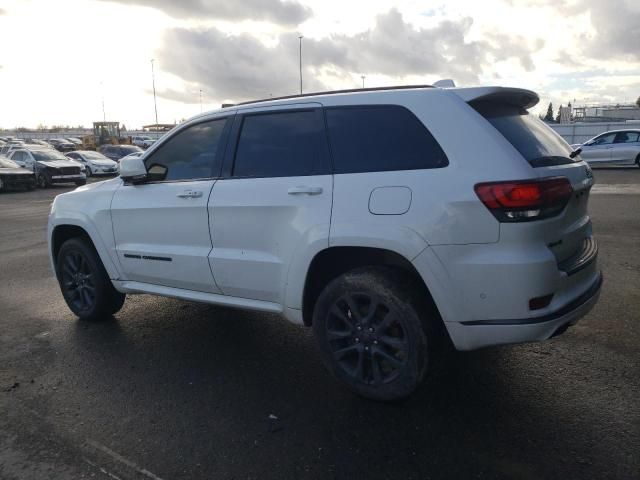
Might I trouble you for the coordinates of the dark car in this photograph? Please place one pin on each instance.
(13, 175)
(51, 166)
(116, 152)
(62, 145)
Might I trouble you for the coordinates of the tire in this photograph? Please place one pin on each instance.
(638, 160)
(373, 332)
(84, 282)
(81, 183)
(43, 180)
(89, 173)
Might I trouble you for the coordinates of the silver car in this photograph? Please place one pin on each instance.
(618, 146)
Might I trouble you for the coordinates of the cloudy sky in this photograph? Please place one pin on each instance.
(59, 58)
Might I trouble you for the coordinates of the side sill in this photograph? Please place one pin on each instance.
(127, 286)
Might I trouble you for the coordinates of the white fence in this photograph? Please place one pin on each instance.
(37, 135)
(581, 132)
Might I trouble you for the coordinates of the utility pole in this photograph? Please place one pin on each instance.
(300, 57)
(363, 77)
(153, 82)
(200, 100)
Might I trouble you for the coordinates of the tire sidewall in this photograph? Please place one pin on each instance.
(103, 287)
(379, 283)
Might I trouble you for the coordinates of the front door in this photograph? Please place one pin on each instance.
(599, 150)
(275, 199)
(161, 227)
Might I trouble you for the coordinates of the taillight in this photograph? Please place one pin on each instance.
(525, 200)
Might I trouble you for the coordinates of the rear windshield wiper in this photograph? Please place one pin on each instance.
(576, 152)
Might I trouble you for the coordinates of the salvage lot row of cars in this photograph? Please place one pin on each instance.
(27, 164)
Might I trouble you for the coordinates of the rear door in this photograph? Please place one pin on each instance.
(274, 199)
(599, 150)
(161, 227)
(626, 147)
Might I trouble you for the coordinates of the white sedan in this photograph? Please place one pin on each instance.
(614, 147)
(95, 162)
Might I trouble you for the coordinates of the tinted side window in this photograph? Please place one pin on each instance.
(605, 139)
(190, 154)
(280, 144)
(380, 138)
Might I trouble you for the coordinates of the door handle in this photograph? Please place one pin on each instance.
(190, 194)
(304, 190)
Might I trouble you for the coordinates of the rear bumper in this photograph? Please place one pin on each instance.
(471, 335)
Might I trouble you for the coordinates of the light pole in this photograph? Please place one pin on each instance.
(362, 77)
(200, 100)
(104, 115)
(300, 37)
(153, 82)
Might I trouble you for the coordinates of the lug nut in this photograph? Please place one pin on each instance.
(357, 340)
(359, 327)
(371, 329)
(366, 348)
(375, 342)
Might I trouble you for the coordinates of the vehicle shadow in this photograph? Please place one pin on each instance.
(204, 380)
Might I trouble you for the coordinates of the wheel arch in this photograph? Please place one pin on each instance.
(62, 232)
(332, 262)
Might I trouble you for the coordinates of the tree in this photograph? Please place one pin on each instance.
(549, 116)
(638, 102)
(558, 116)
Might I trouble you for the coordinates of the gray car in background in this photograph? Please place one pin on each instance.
(615, 147)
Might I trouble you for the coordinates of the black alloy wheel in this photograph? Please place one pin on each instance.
(84, 282)
(366, 338)
(375, 332)
(77, 281)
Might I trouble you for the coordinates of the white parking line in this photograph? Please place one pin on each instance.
(119, 458)
(616, 189)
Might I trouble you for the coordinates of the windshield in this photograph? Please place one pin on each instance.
(94, 156)
(129, 149)
(6, 163)
(48, 155)
(535, 141)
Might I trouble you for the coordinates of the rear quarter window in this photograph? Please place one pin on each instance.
(376, 138)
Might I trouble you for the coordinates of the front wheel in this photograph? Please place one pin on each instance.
(84, 282)
(369, 326)
(80, 183)
(43, 180)
(638, 160)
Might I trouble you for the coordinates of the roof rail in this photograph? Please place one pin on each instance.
(332, 92)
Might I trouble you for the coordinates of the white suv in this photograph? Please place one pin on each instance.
(392, 221)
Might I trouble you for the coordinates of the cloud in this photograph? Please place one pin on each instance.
(616, 24)
(3, 12)
(283, 12)
(242, 67)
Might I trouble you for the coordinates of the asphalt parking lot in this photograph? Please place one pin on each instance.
(176, 390)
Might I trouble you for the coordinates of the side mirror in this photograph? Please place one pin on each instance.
(132, 170)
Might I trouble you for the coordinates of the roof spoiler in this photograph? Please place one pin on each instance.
(518, 97)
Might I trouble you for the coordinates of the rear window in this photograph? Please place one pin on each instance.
(535, 141)
(377, 138)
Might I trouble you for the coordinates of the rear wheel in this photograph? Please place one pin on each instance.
(370, 328)
(84, 282)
